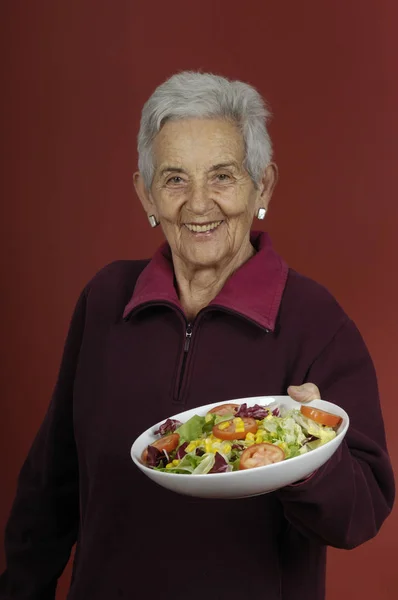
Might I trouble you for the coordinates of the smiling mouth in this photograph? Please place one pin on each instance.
(203, 228)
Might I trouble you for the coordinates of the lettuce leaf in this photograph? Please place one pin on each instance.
(191, 429)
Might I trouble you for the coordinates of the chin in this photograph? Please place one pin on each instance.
(204, 259)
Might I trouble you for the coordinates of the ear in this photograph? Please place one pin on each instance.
(143, 194)
(268, 184)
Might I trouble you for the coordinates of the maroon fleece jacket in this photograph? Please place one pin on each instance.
(126, 365)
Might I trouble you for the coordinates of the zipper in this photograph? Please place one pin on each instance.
(188, 340)
(187, 343)
(188, 337)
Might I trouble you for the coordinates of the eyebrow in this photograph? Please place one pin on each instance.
(223, 166)
(170, 169)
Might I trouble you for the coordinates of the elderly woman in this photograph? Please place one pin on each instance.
(215, 314)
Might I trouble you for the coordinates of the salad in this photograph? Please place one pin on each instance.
(233, 437)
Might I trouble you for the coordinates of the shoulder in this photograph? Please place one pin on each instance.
(304, 291)
(309, 307)
(118, 272)
(112, 286)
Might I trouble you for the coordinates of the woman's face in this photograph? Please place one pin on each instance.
(201, 193)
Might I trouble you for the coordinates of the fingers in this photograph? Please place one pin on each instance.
(304, 393)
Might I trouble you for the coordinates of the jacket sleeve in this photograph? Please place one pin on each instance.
(43, 523)
(346, 501)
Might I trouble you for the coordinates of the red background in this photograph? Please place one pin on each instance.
(76, 73)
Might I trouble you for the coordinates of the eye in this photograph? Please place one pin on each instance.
(175, 180)
(223, 177)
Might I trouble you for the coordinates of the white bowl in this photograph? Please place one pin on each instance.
(250, 482)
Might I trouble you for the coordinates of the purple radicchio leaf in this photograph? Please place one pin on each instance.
(276, 412)
(168, 426)
(220, 464)
(242, 410)
(154, 456)
(237, 447)
(256, 411)
(199, 452)
(181, 451)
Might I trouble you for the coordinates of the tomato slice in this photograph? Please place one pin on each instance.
(226, 430)
(167, 442)
(321, 416)
(259, 455)
(225, 409)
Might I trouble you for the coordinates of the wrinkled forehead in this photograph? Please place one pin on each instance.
(198, 143)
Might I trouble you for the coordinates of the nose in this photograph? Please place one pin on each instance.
(199, 199)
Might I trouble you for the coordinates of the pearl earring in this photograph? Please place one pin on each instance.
(261, 213)
(153, 221)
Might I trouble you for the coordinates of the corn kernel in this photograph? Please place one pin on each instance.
(227, 448)
(259, 438)
(239, 424)
(191, 447)
(224, 425)
(175, 462)
(169, 465)
(249, 436)
(282, 446)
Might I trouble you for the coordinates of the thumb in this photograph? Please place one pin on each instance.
(304, 393)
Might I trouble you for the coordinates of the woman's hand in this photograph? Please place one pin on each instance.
(304, 393)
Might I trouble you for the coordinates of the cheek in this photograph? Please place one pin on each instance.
(169, 207)
(237, 203)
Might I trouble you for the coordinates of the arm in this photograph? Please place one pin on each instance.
(347, 500)
(44, 519)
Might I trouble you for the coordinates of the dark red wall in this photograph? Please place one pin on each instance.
(76, 73)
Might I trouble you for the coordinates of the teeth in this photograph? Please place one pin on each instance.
(202, 228)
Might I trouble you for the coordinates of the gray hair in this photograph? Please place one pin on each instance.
(191, 94)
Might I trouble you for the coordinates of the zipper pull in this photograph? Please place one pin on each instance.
(188, 336)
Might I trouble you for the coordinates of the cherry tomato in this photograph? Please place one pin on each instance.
(230, 433)
(321, 416)
(259, 455)
(167, 442)
(225, 409)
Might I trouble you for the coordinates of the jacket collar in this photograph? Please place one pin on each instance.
(254, 291)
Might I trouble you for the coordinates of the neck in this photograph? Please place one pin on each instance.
(199, 285)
